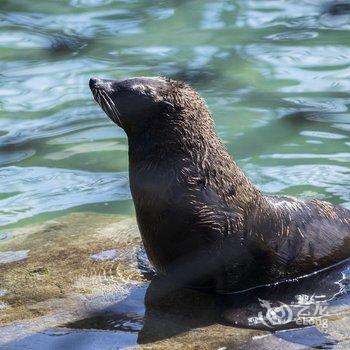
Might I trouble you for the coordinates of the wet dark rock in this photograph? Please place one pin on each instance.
(277, 131)
(338, 8)
(195, 76)
(62, 44)
(300, 118)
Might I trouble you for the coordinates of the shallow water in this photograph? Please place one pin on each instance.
(275, 74)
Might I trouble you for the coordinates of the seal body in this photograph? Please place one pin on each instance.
(201, 220)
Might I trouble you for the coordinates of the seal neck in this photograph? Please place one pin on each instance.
(190, 154)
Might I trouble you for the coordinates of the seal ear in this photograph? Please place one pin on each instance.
(167, 103)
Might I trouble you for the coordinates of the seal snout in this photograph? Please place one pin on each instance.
(94, 83)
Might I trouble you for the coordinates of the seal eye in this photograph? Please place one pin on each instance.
(146, 90)
(141, 88)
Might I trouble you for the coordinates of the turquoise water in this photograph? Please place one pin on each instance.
(275, 74)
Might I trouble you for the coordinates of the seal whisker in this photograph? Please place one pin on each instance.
(97, 97)
(112, 108)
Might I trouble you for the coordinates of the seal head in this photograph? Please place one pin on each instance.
(128, 102)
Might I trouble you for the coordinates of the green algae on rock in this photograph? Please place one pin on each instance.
(59, 264)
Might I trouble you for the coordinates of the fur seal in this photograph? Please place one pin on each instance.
(202, 221)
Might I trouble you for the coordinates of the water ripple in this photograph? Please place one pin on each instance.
(37, 190)
(19, 131)
(36, 87)
(333, 179)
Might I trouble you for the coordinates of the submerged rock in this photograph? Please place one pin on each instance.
(62, 43)
(60, 267)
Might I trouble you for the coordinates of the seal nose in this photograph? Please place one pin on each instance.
(93, 82)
